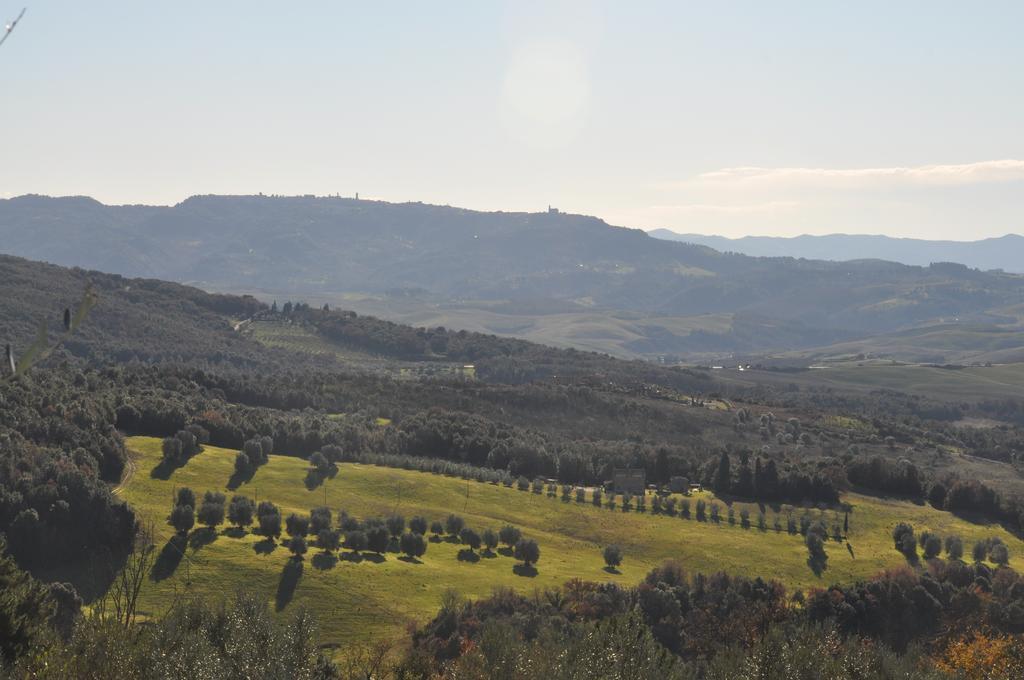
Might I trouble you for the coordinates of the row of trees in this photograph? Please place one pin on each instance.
(932, 545)
(376, 535)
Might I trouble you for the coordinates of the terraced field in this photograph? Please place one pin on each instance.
(357, 600)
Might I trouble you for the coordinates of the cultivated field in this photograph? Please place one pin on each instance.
(357, 601)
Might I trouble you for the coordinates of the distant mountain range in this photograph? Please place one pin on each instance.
(1005, 252)
(583, 282)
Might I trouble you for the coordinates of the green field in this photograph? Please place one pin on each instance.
(360, 601)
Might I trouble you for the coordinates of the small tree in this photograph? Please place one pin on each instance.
(684, 508)
(319, 519)
(267, 447)
(470, 538)
(581, 494)
(185, 496)
(242, 464)
(954, 547)
(980, 551)
(527, 551)
(490, 539)
(171, 451)
(346, 522)
(715, 516)
(418, 525)
(355, 540)
(211, 512)
(297, 525)
(899, 532)
(816, 544)
(436, 528)
(413, 544)
(701, 510)
(595, 497)
(240, 511)
(377, 539)
(269, 519)
(298, 546)
(999, 554)
(182, 518)
(932, 546)
(453, 525)
(328, 539)
(509, 535)
(395, 525)
(613, 556)
(320, 463)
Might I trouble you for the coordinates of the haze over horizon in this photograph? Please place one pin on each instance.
(745, 121)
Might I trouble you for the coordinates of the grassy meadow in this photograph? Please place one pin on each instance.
(357, 601)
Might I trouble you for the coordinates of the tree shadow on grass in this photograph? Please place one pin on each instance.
(351, 556)
(506, 551)
(612, 570)
(435, 539)
(488, 554)
(265, 547)
(169, 558)
(290, 576)
(452, 539)
(527, 570)
(818, 564)
(202, 537)
(467, 555)
(374, 557)
(410, 559)
(163, 470)
(324, 561)
(237, 478)
(234, 532)
(850, 548)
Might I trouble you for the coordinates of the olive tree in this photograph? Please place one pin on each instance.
(182, 518)
(454, 524)
(613, 556)
(418, 525)
(240, 511)
(211, 512)
(527, 551)
(509, 535)
(413, 544)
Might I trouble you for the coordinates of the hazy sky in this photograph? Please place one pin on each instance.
(736, 118)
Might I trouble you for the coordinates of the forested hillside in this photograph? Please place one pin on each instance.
(168, 361)
(306, 246)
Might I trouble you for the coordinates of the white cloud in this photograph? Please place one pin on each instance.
(1008, 170)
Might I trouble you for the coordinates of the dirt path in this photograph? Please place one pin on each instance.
(130, 467)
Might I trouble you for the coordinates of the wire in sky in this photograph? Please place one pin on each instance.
(11, 25)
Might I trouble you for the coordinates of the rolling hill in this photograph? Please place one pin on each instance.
(359, 600)
(524, 265)
(1005, 252)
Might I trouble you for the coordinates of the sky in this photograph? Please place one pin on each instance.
(730, 118)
